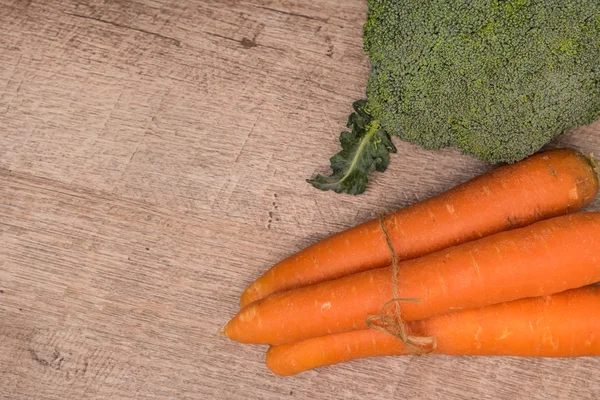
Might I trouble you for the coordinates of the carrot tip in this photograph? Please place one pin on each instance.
(221, 333)
(249, 295)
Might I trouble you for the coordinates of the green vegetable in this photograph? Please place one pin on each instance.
(364, 149)
(496, 78)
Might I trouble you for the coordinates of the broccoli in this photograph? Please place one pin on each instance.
(497, 79)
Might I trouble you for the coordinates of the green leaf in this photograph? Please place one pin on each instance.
(364, 149)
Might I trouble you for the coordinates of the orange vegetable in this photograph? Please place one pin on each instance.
(541, 259)
(562, 325)
(545, 185)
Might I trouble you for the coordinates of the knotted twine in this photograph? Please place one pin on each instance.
(389, 320)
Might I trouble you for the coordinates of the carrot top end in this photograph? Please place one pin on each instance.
(593, 164)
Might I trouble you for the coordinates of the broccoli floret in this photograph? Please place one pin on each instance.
(496, 78)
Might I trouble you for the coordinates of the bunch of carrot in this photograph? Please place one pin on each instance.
(496, 266)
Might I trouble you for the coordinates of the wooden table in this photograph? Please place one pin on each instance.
(152, 164)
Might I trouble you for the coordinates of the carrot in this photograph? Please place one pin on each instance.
(562, 325)
(541, 259)
(545, 185)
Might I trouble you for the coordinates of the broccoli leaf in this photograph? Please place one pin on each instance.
(364, 149)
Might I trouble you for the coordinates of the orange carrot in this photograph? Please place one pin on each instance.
(562, 325)
(541, 259)
(545, 185)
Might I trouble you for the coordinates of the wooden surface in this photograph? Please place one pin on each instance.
(152, 164)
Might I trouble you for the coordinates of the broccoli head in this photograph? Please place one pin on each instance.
(496, 78)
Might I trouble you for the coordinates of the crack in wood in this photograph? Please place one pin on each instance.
(56, 362)
(176, 42)
(36, 358)
(245, 42)
(293, 14)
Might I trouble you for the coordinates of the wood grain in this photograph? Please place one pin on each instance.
(152, 164)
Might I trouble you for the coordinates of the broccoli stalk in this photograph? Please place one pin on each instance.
(497, 79)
